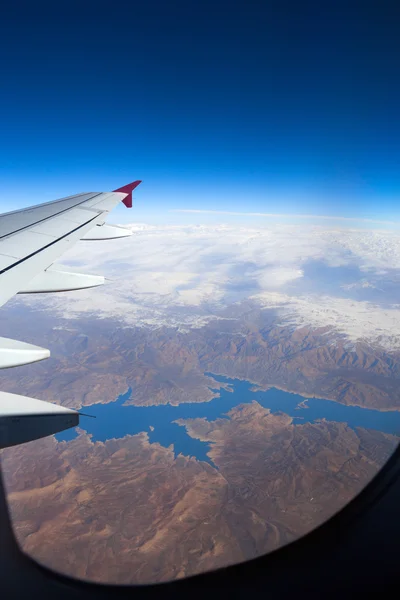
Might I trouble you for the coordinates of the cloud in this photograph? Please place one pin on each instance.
(186, 276)
(354, 320)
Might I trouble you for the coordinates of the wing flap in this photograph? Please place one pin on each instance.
(107, 232)
(23, 419)
(14, 353)
(52, 280)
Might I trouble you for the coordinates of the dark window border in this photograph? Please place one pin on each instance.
(356, 552)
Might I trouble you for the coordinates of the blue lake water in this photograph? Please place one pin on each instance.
(114, 420)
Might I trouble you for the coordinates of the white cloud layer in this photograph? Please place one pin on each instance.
(186, 275)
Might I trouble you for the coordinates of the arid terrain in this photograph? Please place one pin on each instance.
(127, 511)
(96, 360)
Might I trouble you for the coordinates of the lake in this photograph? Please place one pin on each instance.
(114, 420)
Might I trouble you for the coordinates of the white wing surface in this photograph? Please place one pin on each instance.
(31, 240)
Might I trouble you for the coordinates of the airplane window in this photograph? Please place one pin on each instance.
(238, 371)
(239, 402)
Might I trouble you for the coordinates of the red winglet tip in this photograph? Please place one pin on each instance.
(128, 189)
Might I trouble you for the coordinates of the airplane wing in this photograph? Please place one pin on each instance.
(31, 240)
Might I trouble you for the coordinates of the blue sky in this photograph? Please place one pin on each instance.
(271, 107)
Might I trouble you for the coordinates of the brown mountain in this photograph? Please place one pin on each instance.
(96, 360)
(127, 511)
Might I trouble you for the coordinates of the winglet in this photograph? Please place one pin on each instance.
(128, 189)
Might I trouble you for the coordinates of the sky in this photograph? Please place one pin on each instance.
(245, 107)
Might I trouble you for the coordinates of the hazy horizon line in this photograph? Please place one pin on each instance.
(281, 215)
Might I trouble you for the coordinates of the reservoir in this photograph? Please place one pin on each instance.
(114, 420)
